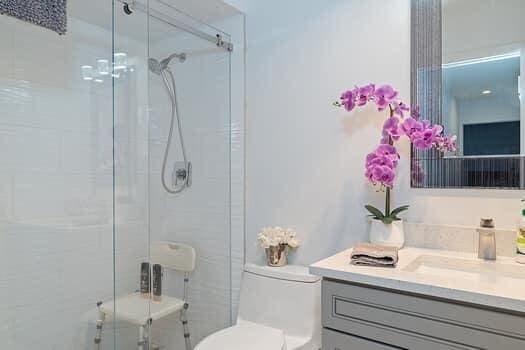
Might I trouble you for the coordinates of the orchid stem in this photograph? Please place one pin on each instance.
(387, 195)
(387, 202)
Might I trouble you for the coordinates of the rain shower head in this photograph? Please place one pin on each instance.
(157, 67)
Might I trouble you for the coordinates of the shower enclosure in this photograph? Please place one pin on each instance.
(115, 136)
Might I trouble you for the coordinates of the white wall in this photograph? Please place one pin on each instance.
(491, 109)
(305, 157)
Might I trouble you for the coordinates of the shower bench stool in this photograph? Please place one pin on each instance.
(138, 310)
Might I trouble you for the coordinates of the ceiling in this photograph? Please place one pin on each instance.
(469, 81)
(480, 28)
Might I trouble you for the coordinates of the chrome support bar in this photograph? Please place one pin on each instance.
(131, 5)
(224, 44)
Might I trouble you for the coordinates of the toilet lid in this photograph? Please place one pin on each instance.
(244, 336)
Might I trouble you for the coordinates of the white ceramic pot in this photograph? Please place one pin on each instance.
(392, 235)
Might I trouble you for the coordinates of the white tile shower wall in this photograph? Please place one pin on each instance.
(305, 157)
(56, 242)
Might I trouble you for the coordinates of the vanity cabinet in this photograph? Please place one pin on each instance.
(341, 341)
(361, 317)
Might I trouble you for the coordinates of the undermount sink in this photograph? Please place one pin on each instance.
(450, 275)
(479, 271)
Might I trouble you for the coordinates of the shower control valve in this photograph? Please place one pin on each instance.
(182, 174)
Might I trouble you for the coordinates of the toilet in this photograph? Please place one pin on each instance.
(279, 309)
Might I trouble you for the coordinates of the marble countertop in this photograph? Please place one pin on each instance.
(493, 290)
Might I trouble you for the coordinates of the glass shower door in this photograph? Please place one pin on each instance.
(199, 215)
(173, 75)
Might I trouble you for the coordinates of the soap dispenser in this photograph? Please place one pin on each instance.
(487, 240)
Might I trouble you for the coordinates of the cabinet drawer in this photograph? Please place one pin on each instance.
(357, 309)
(333, 340)
(340, 341)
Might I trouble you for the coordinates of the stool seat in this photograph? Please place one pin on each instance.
(135, 309)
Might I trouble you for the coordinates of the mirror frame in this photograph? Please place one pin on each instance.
(429, 168)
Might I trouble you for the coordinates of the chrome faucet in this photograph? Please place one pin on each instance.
(486, 240)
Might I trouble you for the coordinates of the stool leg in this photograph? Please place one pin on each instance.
(144, 341)
(184, 321)
(100, 324)
(140, 344)
(142, 338)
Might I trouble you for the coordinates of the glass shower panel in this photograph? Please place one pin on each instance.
(55, 179)
(130, 162)
(200, 214)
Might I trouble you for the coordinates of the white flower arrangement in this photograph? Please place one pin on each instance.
(275, 236)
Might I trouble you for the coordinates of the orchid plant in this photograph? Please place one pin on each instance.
(402, 121)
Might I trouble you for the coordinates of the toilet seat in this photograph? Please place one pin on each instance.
(244, 336)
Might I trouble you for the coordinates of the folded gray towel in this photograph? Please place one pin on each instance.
(374, 255)
(50, 14)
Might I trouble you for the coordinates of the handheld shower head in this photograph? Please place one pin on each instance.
(154, 66)
(182, 173)
(180, 56)
(157, 67)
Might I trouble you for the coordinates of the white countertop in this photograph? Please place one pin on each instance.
(487, 290)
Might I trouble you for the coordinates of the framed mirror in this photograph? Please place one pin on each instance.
(466, 62)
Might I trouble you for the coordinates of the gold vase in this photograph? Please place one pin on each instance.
(277, 255)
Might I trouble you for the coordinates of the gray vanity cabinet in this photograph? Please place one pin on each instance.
(359, 317)
(341, 341)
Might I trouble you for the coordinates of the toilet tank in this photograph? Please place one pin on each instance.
(286, 298)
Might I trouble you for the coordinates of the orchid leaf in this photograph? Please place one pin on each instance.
(399, 210)
(387, 220)
(376, 213)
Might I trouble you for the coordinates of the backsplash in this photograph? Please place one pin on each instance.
(456, 238)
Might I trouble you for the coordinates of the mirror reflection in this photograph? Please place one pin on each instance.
(483, 42)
